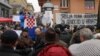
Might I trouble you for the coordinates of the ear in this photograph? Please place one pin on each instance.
(81, 38)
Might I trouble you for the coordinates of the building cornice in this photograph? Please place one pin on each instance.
(6, 4)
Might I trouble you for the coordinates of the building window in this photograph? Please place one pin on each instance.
(63, 3)
(6, 13)
(3, 12)
(14, 11)
(90, 4)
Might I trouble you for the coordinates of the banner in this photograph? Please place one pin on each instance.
(16, 18)
(76, 19)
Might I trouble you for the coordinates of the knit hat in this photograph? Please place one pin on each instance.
(9, 36)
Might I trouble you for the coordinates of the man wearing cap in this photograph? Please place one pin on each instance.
(8, 43)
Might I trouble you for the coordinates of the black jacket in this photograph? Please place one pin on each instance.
(66, 37)
(7, 51)
(40, 43)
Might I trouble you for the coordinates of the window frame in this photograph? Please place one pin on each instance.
(64, 3)
(90, 4)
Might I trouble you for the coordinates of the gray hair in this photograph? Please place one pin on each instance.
(86, 33)
(75, 38)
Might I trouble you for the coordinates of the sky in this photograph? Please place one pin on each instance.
(35, 5)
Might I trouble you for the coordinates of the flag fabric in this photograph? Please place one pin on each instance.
(30, 24)
(31, 32)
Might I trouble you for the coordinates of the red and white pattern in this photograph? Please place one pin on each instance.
(29, 22)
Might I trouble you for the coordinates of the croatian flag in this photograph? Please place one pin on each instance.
(30, 24)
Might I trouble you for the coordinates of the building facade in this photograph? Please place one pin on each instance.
(84, 6)
(73, 6)
(17, 5)
(5, 8)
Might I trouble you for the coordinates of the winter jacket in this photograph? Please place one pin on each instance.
(7, 51)
(54, 50)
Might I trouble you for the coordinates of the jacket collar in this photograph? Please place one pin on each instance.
(6, 48)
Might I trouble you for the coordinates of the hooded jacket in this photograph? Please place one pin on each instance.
(54, 50)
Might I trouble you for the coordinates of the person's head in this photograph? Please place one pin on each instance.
(38, 31)
(57, 30)
(9, 37)
(85, 34)
(24, 33)
(50, 35)
(75, 37)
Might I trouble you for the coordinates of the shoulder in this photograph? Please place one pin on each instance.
(90, 42)
(58, 51)
(86, 48)
(15, 54)
(9, 54)
(54, 50)
(73, 48)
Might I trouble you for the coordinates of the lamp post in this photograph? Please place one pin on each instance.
(47, 13)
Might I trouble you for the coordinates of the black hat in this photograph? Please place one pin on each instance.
(9, 36)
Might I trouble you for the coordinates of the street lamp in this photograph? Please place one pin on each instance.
(48, 6)
(47, 13)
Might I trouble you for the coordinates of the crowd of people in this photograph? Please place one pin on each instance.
(56, 41)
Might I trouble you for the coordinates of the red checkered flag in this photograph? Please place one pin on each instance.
(29, 22)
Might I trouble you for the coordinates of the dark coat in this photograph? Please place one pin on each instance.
(24, 46)
(39, 46)
(7, 51)
(66, 37)
(25, 51)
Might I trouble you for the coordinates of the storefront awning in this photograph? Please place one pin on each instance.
(2, 19)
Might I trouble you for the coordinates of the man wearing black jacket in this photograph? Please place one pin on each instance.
(8, 43)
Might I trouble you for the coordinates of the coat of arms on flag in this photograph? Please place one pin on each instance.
(30, 22)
